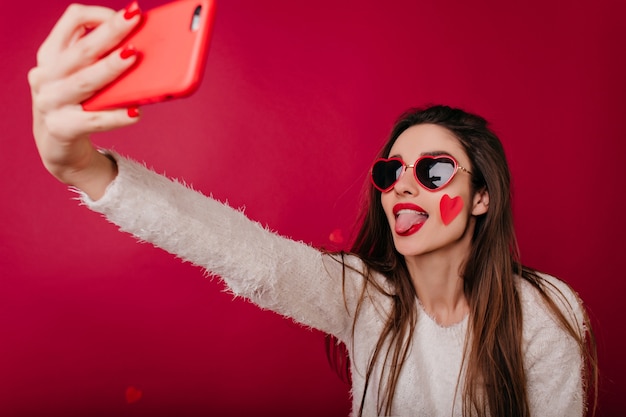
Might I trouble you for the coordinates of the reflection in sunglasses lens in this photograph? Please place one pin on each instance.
(434, 173)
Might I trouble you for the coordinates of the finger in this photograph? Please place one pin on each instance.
(35, 80)
(71, 122)
(82, 84)
(98, 43)
(69, 27)
(90, 48)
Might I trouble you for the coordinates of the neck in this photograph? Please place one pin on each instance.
(439, 285)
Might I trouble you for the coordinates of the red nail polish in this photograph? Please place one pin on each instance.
(131, 10)
(128, 51)
(133, 111)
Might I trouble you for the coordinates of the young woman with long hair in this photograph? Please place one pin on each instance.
(437, 313)
(496, 374)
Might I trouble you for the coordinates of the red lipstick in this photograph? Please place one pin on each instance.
(409, 218)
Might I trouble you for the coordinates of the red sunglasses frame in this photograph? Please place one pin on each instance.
(405, 166)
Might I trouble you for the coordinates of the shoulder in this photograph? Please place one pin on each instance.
(553, 318)
(536, 295)
(552, 355)
(365, 291)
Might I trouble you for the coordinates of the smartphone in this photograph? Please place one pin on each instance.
(172, 41)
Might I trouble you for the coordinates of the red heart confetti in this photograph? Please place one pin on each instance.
(336, 236)
(450, 208)
(133, 395)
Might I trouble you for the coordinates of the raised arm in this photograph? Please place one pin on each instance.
(276, 273)
(78, 58)
(288, 277)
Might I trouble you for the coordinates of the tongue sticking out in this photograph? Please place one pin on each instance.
(407, 219)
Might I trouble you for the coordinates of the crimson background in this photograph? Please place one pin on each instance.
(297, 98)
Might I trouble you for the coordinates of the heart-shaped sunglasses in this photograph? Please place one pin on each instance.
(431, 172)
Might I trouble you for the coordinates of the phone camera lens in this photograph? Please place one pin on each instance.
(195, 20)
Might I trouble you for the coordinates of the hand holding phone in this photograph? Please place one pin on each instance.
(172, 42)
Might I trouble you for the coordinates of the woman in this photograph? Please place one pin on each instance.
(437, 313)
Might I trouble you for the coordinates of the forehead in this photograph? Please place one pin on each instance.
(427, 139)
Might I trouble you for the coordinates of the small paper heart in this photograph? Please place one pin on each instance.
(336, 236)
(133, 394)
(450, 208)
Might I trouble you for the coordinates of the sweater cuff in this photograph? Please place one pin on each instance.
(110, 191)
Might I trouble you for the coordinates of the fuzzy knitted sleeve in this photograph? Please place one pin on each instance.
(553, 360)
(276, 273)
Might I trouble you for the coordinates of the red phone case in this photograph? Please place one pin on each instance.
(172, 41)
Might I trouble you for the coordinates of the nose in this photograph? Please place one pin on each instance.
(407, 184)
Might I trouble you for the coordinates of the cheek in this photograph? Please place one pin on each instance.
(450, 208)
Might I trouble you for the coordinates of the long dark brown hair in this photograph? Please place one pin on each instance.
(495, 379)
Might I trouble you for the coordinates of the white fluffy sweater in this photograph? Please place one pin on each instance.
(298, 281)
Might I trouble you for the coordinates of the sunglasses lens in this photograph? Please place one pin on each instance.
(434, 173)
(385, 173)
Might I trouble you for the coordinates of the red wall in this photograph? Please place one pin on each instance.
(297, 98)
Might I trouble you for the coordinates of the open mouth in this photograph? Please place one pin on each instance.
(409, 218)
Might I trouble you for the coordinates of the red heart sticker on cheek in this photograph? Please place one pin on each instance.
(450, 208)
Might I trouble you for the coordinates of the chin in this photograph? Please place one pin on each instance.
(405, 249)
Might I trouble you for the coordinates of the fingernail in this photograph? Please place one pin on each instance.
(128, 51)
(133, 111)
(131, 10)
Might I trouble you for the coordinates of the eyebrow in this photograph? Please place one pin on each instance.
(435, 153)
(431, 153)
